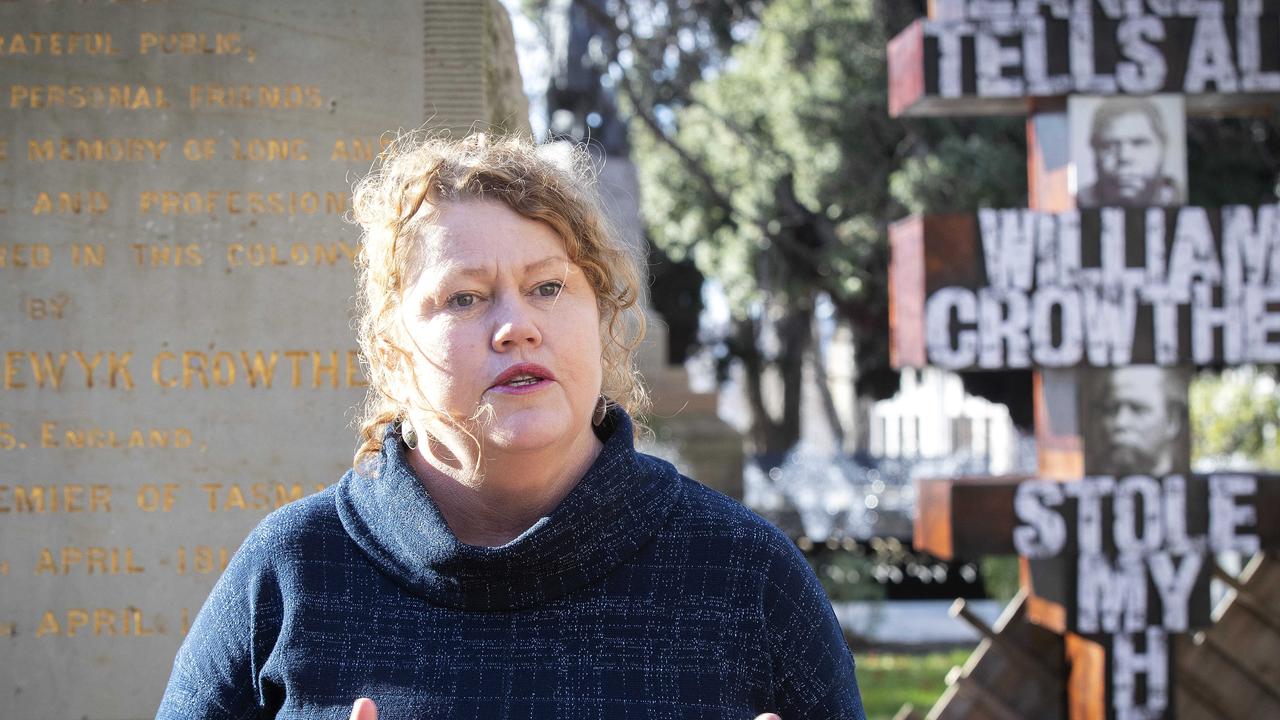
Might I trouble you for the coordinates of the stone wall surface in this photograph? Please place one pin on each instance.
(176, 289)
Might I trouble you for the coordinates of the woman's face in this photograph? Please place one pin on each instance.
(497, 315)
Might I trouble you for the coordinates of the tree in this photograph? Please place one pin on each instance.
(1235, 418)
(775, 177)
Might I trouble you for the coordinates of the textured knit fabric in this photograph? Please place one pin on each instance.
(643, 595)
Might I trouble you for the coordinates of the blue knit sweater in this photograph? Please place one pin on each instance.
(643, 595)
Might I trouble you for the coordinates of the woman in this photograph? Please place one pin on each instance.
(499, 549)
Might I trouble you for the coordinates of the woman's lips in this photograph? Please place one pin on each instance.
(521, 389)
(529, 378)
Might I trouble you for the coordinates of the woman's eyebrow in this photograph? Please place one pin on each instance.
(544, 262)
(487, 270)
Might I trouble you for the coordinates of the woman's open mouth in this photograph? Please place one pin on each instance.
(522, 378)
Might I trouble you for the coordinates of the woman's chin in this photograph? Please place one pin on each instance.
(531, 429)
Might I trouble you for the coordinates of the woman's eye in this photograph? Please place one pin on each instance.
(462, 300)
(548, 290)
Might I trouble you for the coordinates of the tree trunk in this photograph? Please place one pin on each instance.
(753, 371)
(769, 435)
(823, 381)
(795, 333)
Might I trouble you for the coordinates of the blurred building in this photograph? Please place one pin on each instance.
(931, 416)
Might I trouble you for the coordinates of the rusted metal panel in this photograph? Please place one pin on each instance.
(966, 517)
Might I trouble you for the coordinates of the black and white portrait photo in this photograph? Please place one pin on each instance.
(1128, 151)
(1142, 421)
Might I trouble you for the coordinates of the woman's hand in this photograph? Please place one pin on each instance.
(364, 709)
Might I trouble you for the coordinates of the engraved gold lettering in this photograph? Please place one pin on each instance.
(92, 97)
(212, 489)
(156, 377)
(76, 619)
(46, 564)
(81, 438)
(189, 43)
(139, 628)
(7, 442)
(269, 150)
(100, 621)
(47, 308)
(45, 369)
(32, 499)
(167, 254)
(104, 617)
(257, 368)
(200, 148)
(224, 369)
(296, 253)
(57, 43)
(204, 559)
(35, 255)
(87, 365)
(41, 499)
(319, 368)
(236, 202)
(215, 96)
(94, 560)
(361, 149)
(259, 371)
(71, 203)
(96, 149)
(48, 369)
(153, 497)
(118, 366)
(99, 498)
(48, 625)
(235, 498)
(86, 255)
(295, 358)
(47, 436)
(193, 366)
(255, 496)
(11, 360)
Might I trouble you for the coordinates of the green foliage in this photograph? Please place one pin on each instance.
(961, 173)
(1232, 160)
(792, 133)
(890, 680)
(1000, 575)
(1235, 416)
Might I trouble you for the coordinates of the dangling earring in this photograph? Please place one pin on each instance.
(408, 434)
(602, 409)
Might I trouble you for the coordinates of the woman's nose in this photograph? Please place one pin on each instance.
(514, 327)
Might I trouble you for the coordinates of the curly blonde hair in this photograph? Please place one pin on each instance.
(414, 178)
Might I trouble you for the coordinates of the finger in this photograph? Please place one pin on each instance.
(768, 716)
(364, 709)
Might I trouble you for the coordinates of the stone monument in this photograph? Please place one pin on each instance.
(176, 284)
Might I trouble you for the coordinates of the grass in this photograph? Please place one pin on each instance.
(890, 680)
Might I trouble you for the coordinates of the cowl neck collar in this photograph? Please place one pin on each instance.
(617, 507)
